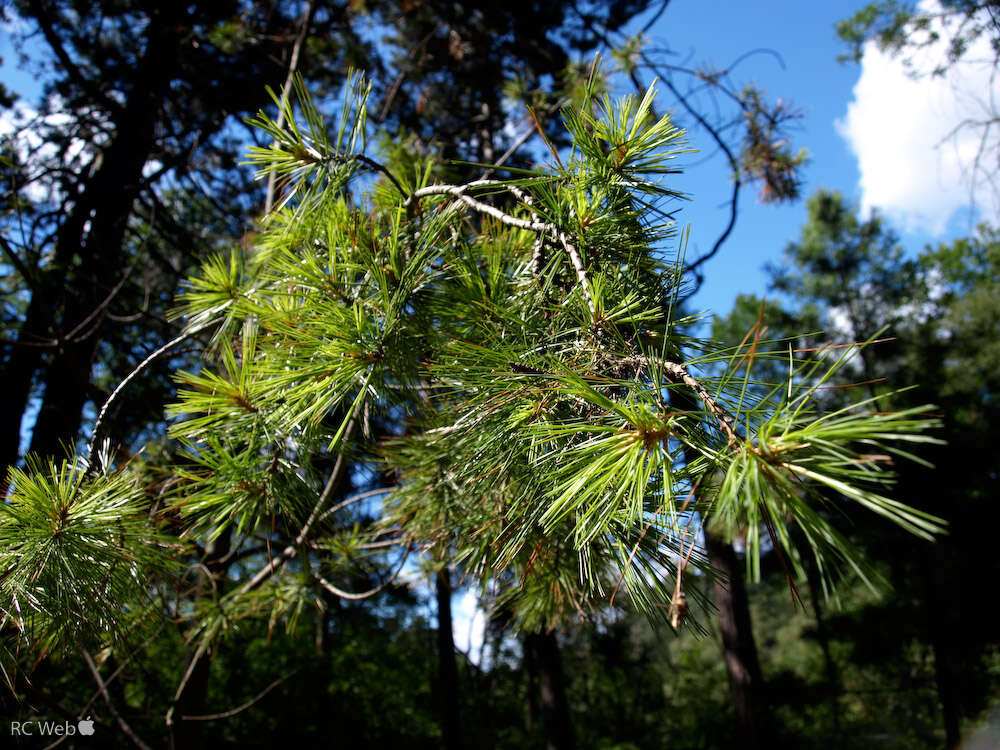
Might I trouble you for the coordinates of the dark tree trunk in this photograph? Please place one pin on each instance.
(21, 360)
(832, 674)
(542, 656)
(185, 735)
(447, 667)
(64, 312)
(746, 682)
(944, 669)
(107, 201)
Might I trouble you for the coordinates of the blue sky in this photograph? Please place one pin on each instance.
(802, 33)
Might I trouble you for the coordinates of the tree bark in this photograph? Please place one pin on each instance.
(105, 205)
(447, 667)
(746, 681)
(944, 671)
(542, 655)
(86, 259)
(185, 735)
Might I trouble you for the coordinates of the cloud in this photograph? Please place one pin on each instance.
(914, 166)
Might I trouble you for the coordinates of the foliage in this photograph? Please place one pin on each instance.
(78, 554)
(901, 29)
(937, 316)
(557, 433)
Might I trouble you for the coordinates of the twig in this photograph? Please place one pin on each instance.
(18, 264)
(355, 498)
(111, 706)
(680, 373)
(733, 164)
(293, 63)
(198, 654)
(724, 418)
(458, 192)
(118, 671)
(581, 272)
(243, 707)
(140, 368)
(372, 164)
(537, 226)
(291, 550)
(364, 594)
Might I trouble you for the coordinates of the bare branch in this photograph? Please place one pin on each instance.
(242, 707)
(293, 64)
(140, 368)
(364, 594)
(538, 226)
(723, 417)
(111, 706)
(291, 550)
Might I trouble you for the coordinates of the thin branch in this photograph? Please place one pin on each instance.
(458, 192)
(364, 594)
(111, 706)
(723, 417)
(355, 498)
(42, 17)
(291, 550)
(198, 654)
(144, 645)
(18, 264)
(243, 707)
(95, 313)
(733, 163)
(140, 368)
(372, 164)
(537, 226)
(656, 17)
(293, 64)
(581, 272)
(680, 373)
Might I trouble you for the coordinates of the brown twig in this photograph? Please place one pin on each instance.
(111, 706)
(293, 64)
(242, 707)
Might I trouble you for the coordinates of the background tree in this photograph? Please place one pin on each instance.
(854, 277)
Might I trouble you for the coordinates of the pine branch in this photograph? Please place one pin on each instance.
(539, 227)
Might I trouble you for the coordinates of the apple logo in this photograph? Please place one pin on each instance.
(86, 727)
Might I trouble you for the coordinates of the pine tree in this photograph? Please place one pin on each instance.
(555, 426)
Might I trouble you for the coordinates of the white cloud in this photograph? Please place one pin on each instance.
(898, 127)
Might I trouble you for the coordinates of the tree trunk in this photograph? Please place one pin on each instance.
(542, 656)
(109, 199)
(746, 682)
(944, 671)
(447, 668)
(86, 260)
(185, 735)
(830, 666)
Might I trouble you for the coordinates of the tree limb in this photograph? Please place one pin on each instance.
(242, 707)
(293, 64)
(111, 706)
